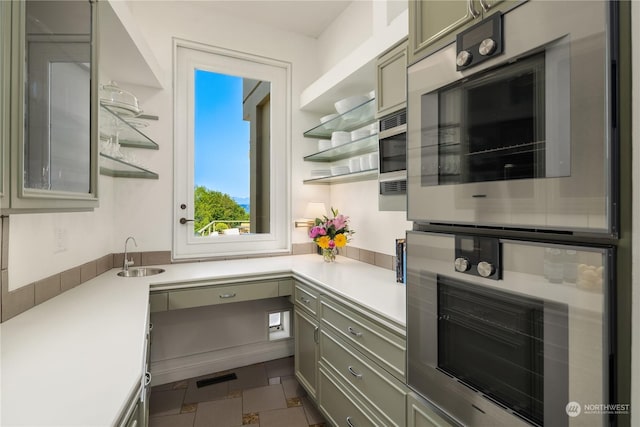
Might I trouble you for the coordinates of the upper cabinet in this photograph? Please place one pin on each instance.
(435, 23)
(391, 81)
(52, 123)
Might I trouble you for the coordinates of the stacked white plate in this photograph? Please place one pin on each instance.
(339, 170)
(339, 138)
(320, 173)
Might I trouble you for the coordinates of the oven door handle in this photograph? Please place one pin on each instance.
(472, 10)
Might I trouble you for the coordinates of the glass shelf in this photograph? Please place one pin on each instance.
(111, 123)
(362, 115)
(347, 177)
(365, 145)
(120, 168)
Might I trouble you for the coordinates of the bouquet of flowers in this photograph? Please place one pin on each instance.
(331, 233)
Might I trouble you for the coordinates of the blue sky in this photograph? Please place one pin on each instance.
(221, 136)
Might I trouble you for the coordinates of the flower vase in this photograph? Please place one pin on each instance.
(329, 254)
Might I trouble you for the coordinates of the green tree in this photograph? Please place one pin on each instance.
(213, 205)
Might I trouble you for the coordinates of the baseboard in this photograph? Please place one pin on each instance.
(180, 368)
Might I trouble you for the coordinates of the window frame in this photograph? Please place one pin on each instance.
(187, 57)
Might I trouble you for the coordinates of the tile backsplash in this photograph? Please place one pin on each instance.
(17, 301)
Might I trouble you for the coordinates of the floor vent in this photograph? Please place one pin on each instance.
(216, 380)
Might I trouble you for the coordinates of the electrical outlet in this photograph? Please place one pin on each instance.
(60, 240)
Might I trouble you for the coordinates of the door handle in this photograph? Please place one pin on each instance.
(185, 220)
(486, 6)
(315, 334)
(349, 422)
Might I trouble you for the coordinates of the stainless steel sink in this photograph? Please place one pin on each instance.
(140, 272)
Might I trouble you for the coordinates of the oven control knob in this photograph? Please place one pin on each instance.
(487, 47)
(464, 58)
(462, 264)
(485, 269)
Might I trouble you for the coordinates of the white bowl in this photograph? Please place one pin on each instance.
(354, 164)
(324, 144)
(339, 138)
(373, 161)
(364, 163)
(350, 103)
(360, 133)
(325, 119)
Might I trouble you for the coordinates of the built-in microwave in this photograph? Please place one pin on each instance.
(512, 126)
(392, 161)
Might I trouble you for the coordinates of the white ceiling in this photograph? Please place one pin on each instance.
(306, 17)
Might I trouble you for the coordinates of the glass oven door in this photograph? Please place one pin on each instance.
(511, 351)
(525, 139)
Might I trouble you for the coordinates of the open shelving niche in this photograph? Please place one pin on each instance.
(128, 136)
(356, 118)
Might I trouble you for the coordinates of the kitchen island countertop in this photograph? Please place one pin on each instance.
(76, 359)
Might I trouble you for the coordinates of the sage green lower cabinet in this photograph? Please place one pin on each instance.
(368, 360)
(306, 350)
(382, 392)
(222, 294)
(421, 413)
(158, 301)
(341, 407)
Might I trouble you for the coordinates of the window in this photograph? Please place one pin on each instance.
(232, 144)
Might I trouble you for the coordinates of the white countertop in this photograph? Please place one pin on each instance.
(76, 359)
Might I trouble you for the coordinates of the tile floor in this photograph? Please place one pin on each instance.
(263, 395)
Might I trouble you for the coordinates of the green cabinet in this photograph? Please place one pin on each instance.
(434, 24)
(306, 334)
(365, 360)
(50, 131)
(391, 81)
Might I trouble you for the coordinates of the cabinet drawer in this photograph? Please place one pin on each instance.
(380, 389)
(222, 294)
(421, 413)
(340, 407)
(384, 347)
(306, 298)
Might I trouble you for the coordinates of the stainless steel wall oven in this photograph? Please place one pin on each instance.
(523, 138)
(503, 332)
(512, 185)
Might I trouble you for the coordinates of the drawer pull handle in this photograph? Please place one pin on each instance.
(354, 332)
(315, 334)
(304, 300)
(223, 296)
(349, 422)
(354, 373)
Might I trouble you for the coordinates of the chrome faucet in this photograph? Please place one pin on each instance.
(127, 262)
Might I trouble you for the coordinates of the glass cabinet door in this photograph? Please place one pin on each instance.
(54, 124)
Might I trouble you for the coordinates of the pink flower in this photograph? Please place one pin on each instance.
(317, 231)
(332, 244)
(340, 221)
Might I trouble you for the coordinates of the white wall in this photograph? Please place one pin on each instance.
(144, 208)
(34, 251)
